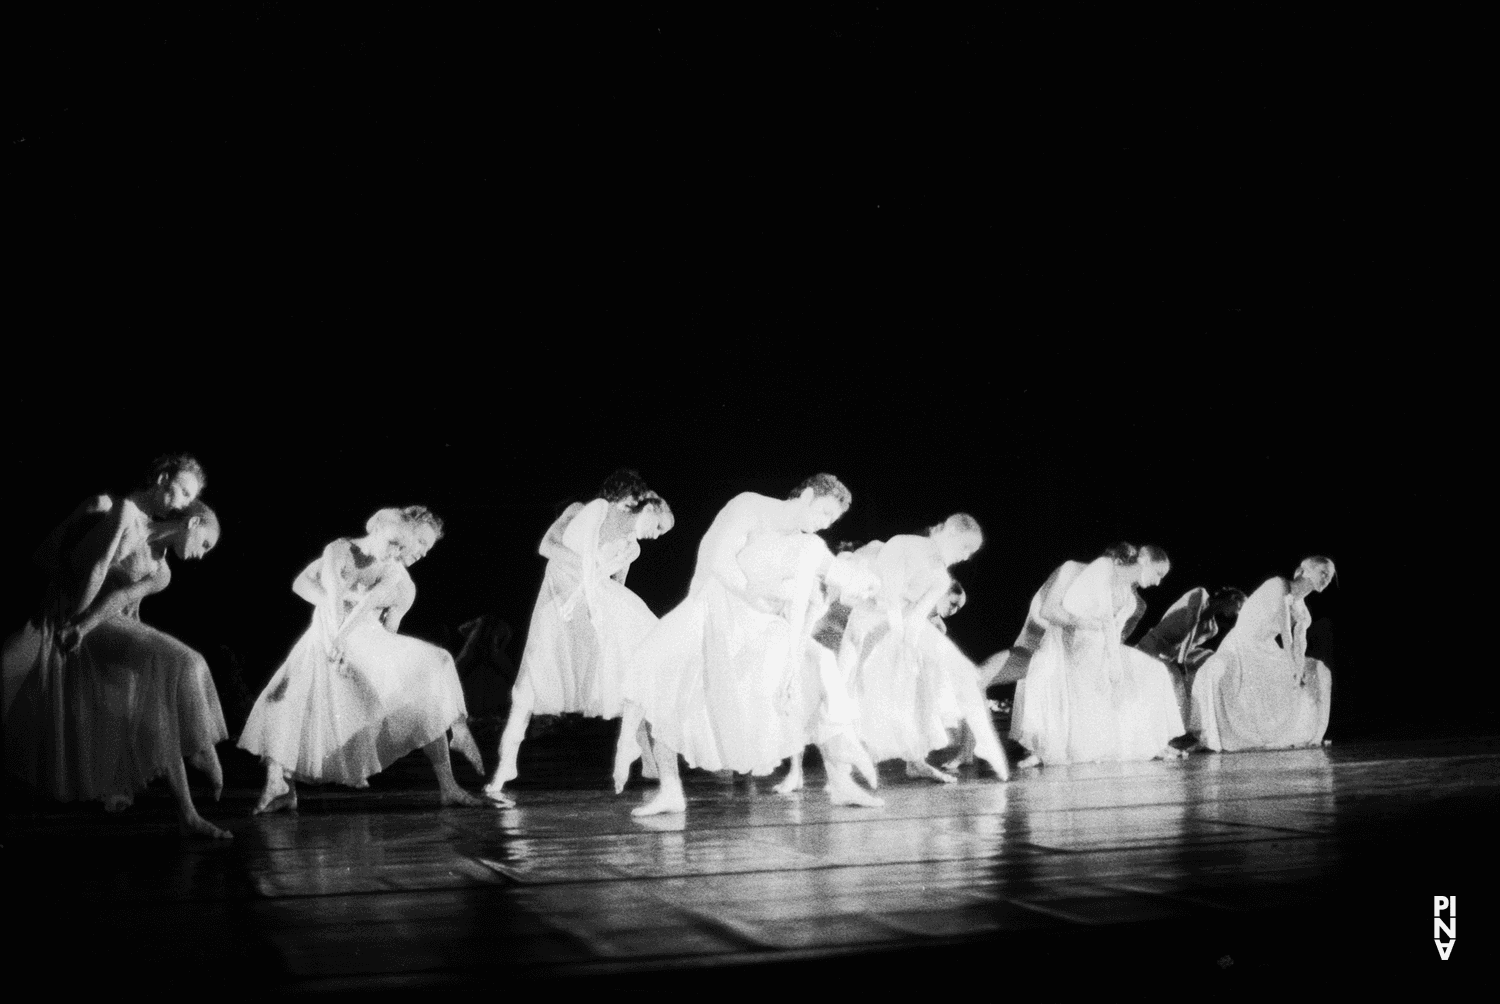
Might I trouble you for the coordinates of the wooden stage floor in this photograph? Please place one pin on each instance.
(1216, 870)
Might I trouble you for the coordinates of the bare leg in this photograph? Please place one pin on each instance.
(462, 741)
(648, 757)
(669, 798)
(279, 793)
(207, 760)
(189, 821)
(793, 780)
(448, 789)
(522, 700)
(633, 741)
(841, 787)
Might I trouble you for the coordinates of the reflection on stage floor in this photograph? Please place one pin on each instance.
(1224, 865)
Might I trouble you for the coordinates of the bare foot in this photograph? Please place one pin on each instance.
(1326, 742)
(495, 793)
(792, 782)
(1032, 761)
(846, 792)
(277, 796)
(664, 802)
(1172, 753)
(196, 826)
(459, 797)
(463, 742)
(921, 768)
(207, 760)
(118, 803)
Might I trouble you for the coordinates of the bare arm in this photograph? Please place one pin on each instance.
(1052, 609)
(111, 601)
(309, 585)
(725, 539)
(405, 594)
(552, 547)
(91, 558)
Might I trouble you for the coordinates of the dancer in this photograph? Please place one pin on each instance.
(586, 622)
(1180, 639)
(98, 704)
(828, 712)
(354, 696)
(1086, 696)
(715, 679)
(909, 681)
(1260, 690)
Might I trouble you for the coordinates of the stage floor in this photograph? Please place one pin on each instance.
(1220, 868)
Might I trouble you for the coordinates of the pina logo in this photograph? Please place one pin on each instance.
(1445, 928)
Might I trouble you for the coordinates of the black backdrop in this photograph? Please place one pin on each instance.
(1173, 282)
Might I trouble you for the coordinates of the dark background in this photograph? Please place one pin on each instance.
(1192, 283)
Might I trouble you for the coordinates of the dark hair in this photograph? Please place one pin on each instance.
(420, 515)
(1128, 554)
(173, 464)
(1229, 596)
(825, 486)
(1154, 552)
(623, 484)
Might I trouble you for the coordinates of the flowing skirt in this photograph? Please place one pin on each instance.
(577, 663)
(717, 682)
(1075, 706)
(112, 716)
(1252, 699)
(911, 688)
(344, 721)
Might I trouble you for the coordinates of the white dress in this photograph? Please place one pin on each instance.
(586, 624)
(720, 677)
(327, 718)
(1086, 696)
(118, 711)
(1260, 691)
(912, 685)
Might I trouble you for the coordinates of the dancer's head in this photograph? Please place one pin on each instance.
(957, 537)
(952, 601)
(626, 489)
(174, 481)
(1226, 602)
(653, 517)
(822, 499)
(1148, 563)
(1313, 575)
(387, 535)
(624, 484)
(197, 533)
(421, 529)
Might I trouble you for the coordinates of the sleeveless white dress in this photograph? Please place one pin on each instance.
(1259, 690)
(327, 718)
(1086, 696)
(720, 678)
(113, 715)
(911, 686)
(585, 625)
